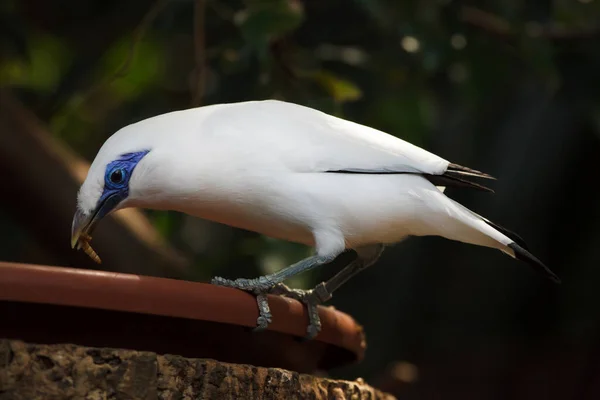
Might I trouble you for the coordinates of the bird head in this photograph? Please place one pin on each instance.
(143, 165)
(110, 185)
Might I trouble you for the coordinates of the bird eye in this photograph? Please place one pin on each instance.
(117, 176)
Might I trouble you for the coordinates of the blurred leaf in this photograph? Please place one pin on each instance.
(162, 221)
(42, 70)
(341, 90)
(122, 76)
(140, 70)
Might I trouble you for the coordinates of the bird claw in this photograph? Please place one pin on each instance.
(262, 285)
(311, 299)
(259, 287)
(264, 313)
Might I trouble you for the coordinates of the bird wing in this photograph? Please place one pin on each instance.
(301, 139)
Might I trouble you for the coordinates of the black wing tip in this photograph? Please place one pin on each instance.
(524, 255)
(459, 168)
(462, 176)
(455, 181)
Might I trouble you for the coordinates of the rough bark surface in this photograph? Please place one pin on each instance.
(58, 372)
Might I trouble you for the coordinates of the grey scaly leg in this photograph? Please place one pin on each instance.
(262, 285)
(366, 256)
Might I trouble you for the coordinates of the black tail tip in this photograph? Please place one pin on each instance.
(524, 255)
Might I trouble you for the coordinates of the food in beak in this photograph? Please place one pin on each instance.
(84, 243)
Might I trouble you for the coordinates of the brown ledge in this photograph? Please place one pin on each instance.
(64, 305)
(56, 372)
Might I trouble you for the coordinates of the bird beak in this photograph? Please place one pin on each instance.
(84, 224)
(81, 225)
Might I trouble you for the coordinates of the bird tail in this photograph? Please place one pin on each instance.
(520, 251)
(475, 229)
(524, 255)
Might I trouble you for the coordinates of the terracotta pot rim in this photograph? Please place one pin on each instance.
(171, 298)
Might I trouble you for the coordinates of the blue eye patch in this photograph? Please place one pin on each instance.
(116, 181)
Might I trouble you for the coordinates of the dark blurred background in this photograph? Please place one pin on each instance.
(511, 88)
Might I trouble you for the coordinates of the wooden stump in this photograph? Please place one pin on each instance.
(49, 372)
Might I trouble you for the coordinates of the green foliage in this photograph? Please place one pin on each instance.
(339, 89)
(42, 67)
(131, 71)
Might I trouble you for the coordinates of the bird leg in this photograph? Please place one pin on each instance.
(366, 256)
(264, 284)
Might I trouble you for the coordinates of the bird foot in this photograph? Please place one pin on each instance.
(262, 286)
(259, 287)
(312, 299)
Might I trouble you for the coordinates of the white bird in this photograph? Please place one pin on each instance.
(289, 172)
